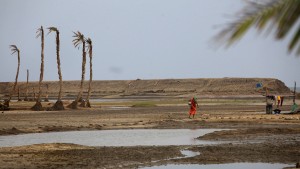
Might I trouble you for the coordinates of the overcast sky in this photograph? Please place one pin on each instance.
(146, 39)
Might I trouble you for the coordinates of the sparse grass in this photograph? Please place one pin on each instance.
(174, 102)
(141, 103)
(144, 104)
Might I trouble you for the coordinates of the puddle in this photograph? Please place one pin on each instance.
(188, 153)
(134, 137)
(223, 166)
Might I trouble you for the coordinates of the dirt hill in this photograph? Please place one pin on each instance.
(159, 87)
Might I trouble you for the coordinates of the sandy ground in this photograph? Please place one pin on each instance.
(256, 137)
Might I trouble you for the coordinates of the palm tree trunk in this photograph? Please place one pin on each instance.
(17, 75)
(88, 104)
(38, 105)
(42, 67)
(59, 104)
(83, 72)
(58, 66)
(74, 105)
(16, 81)
(26, 97)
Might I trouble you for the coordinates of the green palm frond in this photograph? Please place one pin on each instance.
(39, 32)
(89, 42)
(14, 49)
(52, 29)
(281, 15)
(79, 39)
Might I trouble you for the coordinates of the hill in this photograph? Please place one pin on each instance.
(158, 87)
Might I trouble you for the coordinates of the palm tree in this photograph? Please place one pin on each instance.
(38, 106)
(279, 14)
(90, 50)
(59, 104)
(79, 39)
(14, 49)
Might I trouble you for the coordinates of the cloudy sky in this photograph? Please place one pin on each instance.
(146, 39)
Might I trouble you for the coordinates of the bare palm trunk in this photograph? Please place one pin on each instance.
(59, 104)
(58, 66)
(38, 106)
(82, 76)
(75, 103)
(79, 38)
(88, 104)
(26, 97)
(16, 82)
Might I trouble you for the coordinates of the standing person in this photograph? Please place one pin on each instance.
(269, 105)
(193, 106)
(278, 101)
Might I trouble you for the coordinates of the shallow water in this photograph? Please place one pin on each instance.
(133, 137)
(223, 166)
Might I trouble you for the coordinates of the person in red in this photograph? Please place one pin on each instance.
(193, 107)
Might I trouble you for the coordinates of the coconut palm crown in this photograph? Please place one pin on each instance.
(281, 15)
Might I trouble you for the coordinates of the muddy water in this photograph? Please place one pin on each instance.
(223, 166)
(136, 137)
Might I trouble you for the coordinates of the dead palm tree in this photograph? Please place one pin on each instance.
(14, 49)
(59, 104)
(38, 106)
(90, 50)
(281, 15)
(79, 39)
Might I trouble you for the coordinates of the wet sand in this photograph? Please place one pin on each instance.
(256, 137)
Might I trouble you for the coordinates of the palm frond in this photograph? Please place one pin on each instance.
(52, 29)
(288, 17)
(278, 14)
(78, 39)
(89, 42)
(14, 49)
(39, 32)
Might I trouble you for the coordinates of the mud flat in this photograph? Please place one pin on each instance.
(254, 136)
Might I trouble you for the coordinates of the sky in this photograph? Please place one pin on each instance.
(145, 39)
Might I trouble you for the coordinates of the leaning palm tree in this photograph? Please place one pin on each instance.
(59, 104)
(90, 50)
(79, 39)
(14, 49)
(279, 14)
(38, 105)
